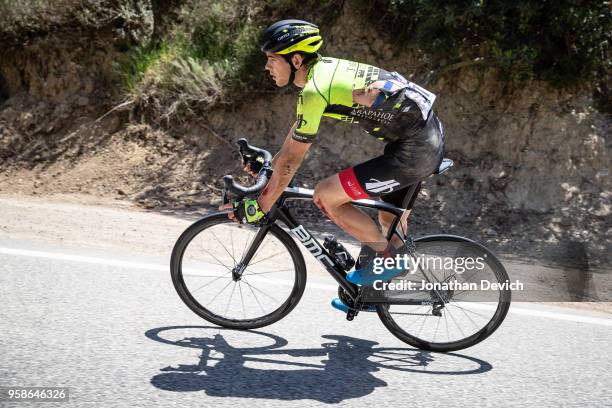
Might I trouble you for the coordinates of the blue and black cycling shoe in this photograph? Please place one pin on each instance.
(340, 305)
(376, 271)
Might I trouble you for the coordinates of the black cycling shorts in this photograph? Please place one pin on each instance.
(404, 162)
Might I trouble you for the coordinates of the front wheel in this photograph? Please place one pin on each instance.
(448, 307)
(211, 278)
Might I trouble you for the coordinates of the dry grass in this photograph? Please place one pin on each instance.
(175, 87)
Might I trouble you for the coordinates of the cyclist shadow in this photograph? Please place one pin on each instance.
(344, 372)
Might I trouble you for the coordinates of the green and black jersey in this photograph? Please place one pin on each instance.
(329, 92)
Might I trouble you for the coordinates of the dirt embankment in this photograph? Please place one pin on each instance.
(532, 162)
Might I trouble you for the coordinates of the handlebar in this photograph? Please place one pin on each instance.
(262, 178)
(245, 147)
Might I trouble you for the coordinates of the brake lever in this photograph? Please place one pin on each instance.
(224, 198)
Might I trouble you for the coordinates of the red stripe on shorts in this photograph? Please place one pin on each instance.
(351, 185)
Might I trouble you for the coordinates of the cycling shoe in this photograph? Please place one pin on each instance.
(366, 276)
(340, 305)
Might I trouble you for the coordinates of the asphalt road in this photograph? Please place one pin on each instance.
(109, 325)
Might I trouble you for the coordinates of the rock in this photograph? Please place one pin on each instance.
(470, 81)
(82, 101)
(491, 232)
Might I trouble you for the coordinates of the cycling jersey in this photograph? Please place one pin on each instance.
(401, 108)
(401, 115)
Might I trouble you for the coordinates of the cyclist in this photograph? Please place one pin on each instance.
(384, 104)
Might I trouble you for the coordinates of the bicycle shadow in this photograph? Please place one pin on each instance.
(345, 372)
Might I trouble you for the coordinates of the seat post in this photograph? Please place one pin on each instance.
(407, 204)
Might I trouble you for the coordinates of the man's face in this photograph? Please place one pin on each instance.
(278, 68)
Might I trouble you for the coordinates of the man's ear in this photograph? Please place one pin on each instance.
(297, 60)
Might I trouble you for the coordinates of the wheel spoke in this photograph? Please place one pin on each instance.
(232, 243)
(455, 321)
(219, 241)
(468, 280)
(468, 316)
(202, 276)
(221, 291)
(247, 242)
(446, 325)
(468, 310)
(255, 296)
(268, 257)
(208, 283)
(242, 299)
(422, 325)
(421, 316)
(259, 290)
(259, 251)
(436, 331)
(230, 299)
(216, 259)
(262, 273)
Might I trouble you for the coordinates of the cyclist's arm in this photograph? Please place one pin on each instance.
(285, 162)
(273, 162)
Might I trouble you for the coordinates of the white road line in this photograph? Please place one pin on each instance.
(84, 259)
(560, 316)
(315, 285)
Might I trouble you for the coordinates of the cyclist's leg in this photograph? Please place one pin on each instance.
(374, 178)
(421, 156)
(331, 197)
(394, 175)
(386, 218)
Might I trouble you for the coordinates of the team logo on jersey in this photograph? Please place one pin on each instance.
(382, 187)
(376, 115)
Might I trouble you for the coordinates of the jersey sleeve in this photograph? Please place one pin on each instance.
(310, 108)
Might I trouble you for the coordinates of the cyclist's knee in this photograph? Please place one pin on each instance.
(322, 197)
(323, 194)
(319, 203)
(330, 193)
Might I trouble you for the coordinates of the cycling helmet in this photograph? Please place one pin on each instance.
(289, 36)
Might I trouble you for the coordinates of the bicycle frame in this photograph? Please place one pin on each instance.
(281, 212)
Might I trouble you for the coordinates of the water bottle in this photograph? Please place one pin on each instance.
(338, 253)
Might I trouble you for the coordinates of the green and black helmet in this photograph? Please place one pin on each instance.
(289, 36)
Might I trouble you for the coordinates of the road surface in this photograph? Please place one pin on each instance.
(97, 312)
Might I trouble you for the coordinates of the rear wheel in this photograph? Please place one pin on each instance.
(206, 258)
(447, 319)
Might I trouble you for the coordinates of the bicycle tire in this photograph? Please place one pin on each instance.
(497, 318)
(176, 269)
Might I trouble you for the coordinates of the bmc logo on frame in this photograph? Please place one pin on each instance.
(311, 245)
(381, 186)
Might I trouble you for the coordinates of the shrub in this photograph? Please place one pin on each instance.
(565, 42)
(209, 56)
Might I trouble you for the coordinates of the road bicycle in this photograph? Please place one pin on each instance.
(244, 276)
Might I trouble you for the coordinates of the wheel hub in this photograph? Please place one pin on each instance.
(237, 272)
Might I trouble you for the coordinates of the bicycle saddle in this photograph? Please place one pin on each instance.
(445, 165)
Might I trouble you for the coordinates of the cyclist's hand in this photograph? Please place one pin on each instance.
(230, 215)
(247, 211)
